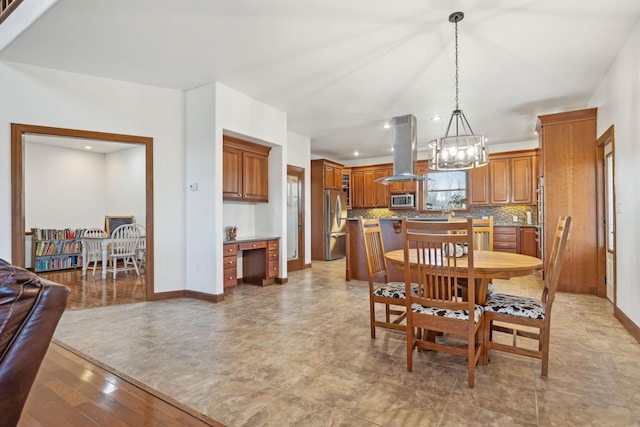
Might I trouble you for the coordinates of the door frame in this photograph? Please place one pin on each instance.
(299, 263)
(17, 186)
(604, 139)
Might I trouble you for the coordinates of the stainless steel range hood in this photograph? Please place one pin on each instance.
(405, 150)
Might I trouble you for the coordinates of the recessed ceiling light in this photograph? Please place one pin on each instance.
(355, 153)
(88, 147)
(386, 126)
(435, 117)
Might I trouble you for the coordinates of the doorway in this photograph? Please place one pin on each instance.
(295, 218)
(18, 132)
(606, 216)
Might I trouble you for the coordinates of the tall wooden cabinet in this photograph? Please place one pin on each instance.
(568, 158)
(245, 170)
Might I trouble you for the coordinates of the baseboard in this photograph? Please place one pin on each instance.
(306, 266)
(282, 280)
(188, 294)
(627, 323)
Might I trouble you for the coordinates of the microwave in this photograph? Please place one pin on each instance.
(406, 200)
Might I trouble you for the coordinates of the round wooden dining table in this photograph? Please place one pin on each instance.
(487, 265)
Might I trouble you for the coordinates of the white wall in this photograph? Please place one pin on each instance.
(63, 187)
(298, 154)
(40, 96)
(618, 102)
(125, 178)
(212, 110)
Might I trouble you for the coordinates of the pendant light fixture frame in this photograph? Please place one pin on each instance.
(462, 149)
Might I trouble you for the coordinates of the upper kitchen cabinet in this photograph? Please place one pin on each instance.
(479, 186)
(365, 191)
(245, 170)
(509, 179)
(328, 172)
(568, 158)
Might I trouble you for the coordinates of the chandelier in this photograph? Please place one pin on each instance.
(459, 148)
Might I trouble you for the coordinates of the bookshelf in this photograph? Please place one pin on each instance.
(53, 249)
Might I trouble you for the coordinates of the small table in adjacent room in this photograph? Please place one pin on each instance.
(487, 265)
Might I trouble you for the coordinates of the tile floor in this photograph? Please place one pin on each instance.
(301, 355)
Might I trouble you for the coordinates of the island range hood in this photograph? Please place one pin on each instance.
(405, 150)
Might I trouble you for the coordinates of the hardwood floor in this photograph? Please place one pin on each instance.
(93, 291)
(71, 390)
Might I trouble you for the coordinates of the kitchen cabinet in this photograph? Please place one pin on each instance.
(568, 159)
(509, 179)
(357, 189)
(505, 239)
(512, 179)
(245, 170)
(479, 186)
(365, 188)
(328, 173)
(529, 241)
(346, 185)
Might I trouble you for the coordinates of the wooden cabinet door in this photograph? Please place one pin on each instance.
(231, 173)
(500, 181)
(522, 179)
(369, 197)
(329, 178)
(381, 190)
(357, 189)
(337, 178)
(479, 186)
(255, 177)
(528, 242)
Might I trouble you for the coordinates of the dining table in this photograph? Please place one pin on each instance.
(487, 265)
(104, 245)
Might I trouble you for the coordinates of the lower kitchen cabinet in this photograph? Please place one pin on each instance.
(516, 239)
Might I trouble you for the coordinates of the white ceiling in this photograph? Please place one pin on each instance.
(82, 144)
(342, 69)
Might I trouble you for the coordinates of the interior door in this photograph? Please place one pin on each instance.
(610, 220)
(295, 218)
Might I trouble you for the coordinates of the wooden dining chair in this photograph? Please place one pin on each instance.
(381, 291)
(519, 312)
(439, 306)
(482, 231)
(124, 246)
(93, 247)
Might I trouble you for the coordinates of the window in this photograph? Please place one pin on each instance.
(445, 190)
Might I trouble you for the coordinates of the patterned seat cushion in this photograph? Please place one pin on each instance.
(395, 290)
(515, 305)
(453, 314)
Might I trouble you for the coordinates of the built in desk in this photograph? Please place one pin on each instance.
(260, 261)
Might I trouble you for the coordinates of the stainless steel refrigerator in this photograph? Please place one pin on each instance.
(335, 224)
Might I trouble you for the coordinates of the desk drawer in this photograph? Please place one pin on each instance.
(273, 244)
(230, 277)
(251, 245)
(230, 249)
(273, 255)
(273, 269)
(230, 262)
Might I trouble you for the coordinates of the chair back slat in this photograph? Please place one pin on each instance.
(429, 246)
(556, 258)
(374, 249)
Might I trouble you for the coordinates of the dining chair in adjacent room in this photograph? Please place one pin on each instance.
(439, 306)
(381, 291)
(519, 314)
(93, 247)
(141, 251)
(124, 246)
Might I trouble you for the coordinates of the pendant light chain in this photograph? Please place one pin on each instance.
(456, 24)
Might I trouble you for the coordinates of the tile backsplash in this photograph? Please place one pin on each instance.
(502, 215)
